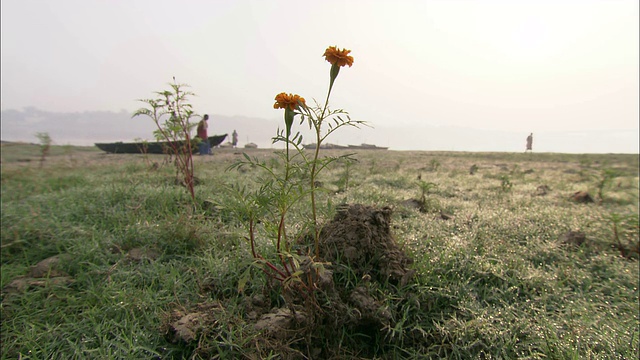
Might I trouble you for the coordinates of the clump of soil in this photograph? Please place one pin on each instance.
(187, 326)
(582, 197)
(139, 254)
(445, 216)
(415, 204)
(542, 190)
(48, 267)
(136, 254)
(573, 238)
(282, 323)
(45, 273)
(360, 236)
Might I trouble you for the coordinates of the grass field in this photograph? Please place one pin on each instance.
(135, 271)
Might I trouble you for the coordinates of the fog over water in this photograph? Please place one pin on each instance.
(86, 128)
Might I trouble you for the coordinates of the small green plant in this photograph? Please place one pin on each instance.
(372, 167)
(585, 163)
(516, 173)
(505, 183)
(425, 187)
(434, 165)
(428, 204)
(172, 113)
(398, 165)
(45, 146)
(603, 180)
(626, 233)
(144, 147)
(344, 179)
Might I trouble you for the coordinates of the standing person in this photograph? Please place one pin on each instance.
(202, 134)
(529, 143)
(234, 139)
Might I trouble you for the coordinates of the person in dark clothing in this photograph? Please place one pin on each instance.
(203, 126)
(234, 139)
(529, 143)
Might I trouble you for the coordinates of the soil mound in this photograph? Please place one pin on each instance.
(573, 238)
(542, 190)
(582, 197)
(360, 237)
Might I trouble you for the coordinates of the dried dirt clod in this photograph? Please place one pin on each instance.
(370, 310)
(542, 190)
(21, 284)
(414, 204)
(319, 273)
(281, 323)
(575, 238)
(582, 197)
(255, 306)
(186, 327)
(137, 254)
(360, 237)
(47, 268)
(259, 300)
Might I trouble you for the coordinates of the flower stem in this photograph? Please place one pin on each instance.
(318, 125)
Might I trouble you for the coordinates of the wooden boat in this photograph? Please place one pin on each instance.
(151, 147)
(367, 147)
(327, 146)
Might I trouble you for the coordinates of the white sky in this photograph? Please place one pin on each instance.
(507, 65)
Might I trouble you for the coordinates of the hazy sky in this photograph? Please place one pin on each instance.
(509, 65)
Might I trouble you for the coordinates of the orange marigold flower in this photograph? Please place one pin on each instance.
(338, 57)
(284, 100)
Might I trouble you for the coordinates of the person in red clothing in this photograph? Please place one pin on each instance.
(202, 134)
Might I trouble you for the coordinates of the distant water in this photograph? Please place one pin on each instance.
(86, 128)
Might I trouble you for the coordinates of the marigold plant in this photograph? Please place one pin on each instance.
(279, 191)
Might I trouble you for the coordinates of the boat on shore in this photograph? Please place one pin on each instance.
(350, 147)
(151, 147)
(324, 146)
(367, 147)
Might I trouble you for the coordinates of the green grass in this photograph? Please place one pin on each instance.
(492, 282)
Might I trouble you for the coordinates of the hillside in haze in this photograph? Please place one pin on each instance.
(86, 128)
